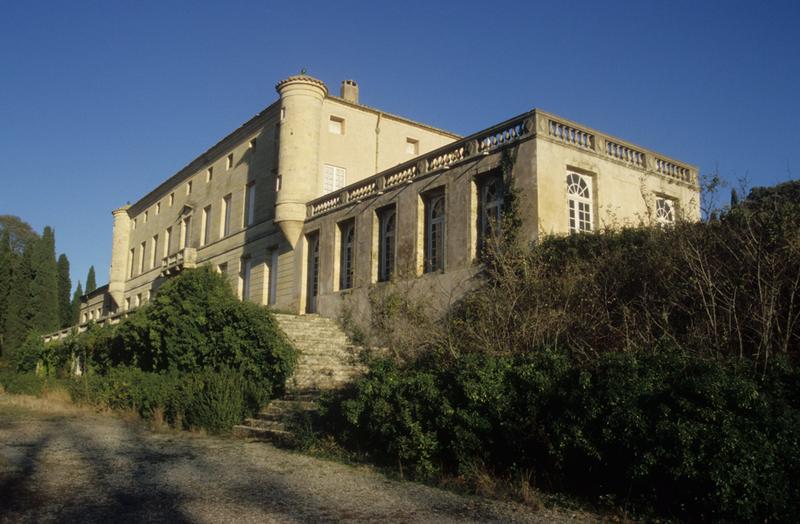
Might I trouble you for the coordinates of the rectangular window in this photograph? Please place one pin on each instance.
(490, 207)
(273, 277)
(209, 174)
(347, 232)
(229, 161)
(171, 199)
(253, 144)
(334, 178)
(206, 225)
(222, 269)
(127, 303)
(225, 229)
(336, 125)
(434, 231)
(312, 272)
(167, 238)
(155, 251)
(134, 223)
(145, 217)
(189, 187)
(244, 277)
(387, 224)
(131, 260)
(138, 299)
(250, 204)
(412, 146)
(158, 208)
(142, 256)
(186, 231)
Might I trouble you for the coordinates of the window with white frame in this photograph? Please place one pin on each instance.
(336, 125)
(665, 211)
(579, 202)
(333, 178)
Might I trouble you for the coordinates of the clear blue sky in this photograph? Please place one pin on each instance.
(101, 101)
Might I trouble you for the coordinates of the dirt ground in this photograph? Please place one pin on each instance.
(59, 463)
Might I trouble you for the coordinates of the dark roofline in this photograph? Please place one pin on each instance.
(99, 291)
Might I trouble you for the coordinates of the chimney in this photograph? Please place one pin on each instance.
(350, 91)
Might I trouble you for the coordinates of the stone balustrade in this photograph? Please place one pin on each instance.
(535, 123)
(186, 258)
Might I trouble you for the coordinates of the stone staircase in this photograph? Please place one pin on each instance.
(328, 360)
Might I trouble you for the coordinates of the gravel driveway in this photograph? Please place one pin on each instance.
(59, 463)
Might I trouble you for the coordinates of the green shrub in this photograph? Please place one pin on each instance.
(196, 323)
(215, 400)
(22, 383)
(663, 430)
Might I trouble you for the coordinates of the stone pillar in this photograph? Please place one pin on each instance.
(298, 151)
(119, 254)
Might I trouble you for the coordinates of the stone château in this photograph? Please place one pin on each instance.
(318, 199)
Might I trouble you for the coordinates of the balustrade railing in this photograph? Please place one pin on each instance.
(625, 153)
(497, 138)
(482, 143)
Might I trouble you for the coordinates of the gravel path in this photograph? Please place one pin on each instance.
(59, 463)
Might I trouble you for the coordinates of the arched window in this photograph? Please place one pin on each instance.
(347, 231)
(434, 232)
(579, 202)
(490, 206)
(387, 220)
(665, 211)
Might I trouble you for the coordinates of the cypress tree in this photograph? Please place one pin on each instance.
(6, 260)
(64, 287)
(44, 285)
(91, 285)
(75, 307)
(18, 321)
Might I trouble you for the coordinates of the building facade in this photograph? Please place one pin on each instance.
(318, 200)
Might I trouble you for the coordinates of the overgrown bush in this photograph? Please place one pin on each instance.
(660, 429)
(195, 323)
(210, 400)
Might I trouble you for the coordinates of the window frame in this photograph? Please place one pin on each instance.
(490, 212)
(347, 253)
(580, 206)
(435, 231)
(387, 242)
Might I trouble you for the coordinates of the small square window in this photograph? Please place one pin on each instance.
(336, 125)
(229, 163)
(209, 174)
(412, 146)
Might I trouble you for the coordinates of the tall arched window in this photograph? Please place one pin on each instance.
(347, 231)
(490, 207)
(434, 232)
(579, 201)
(665, 211)
(387, 220)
